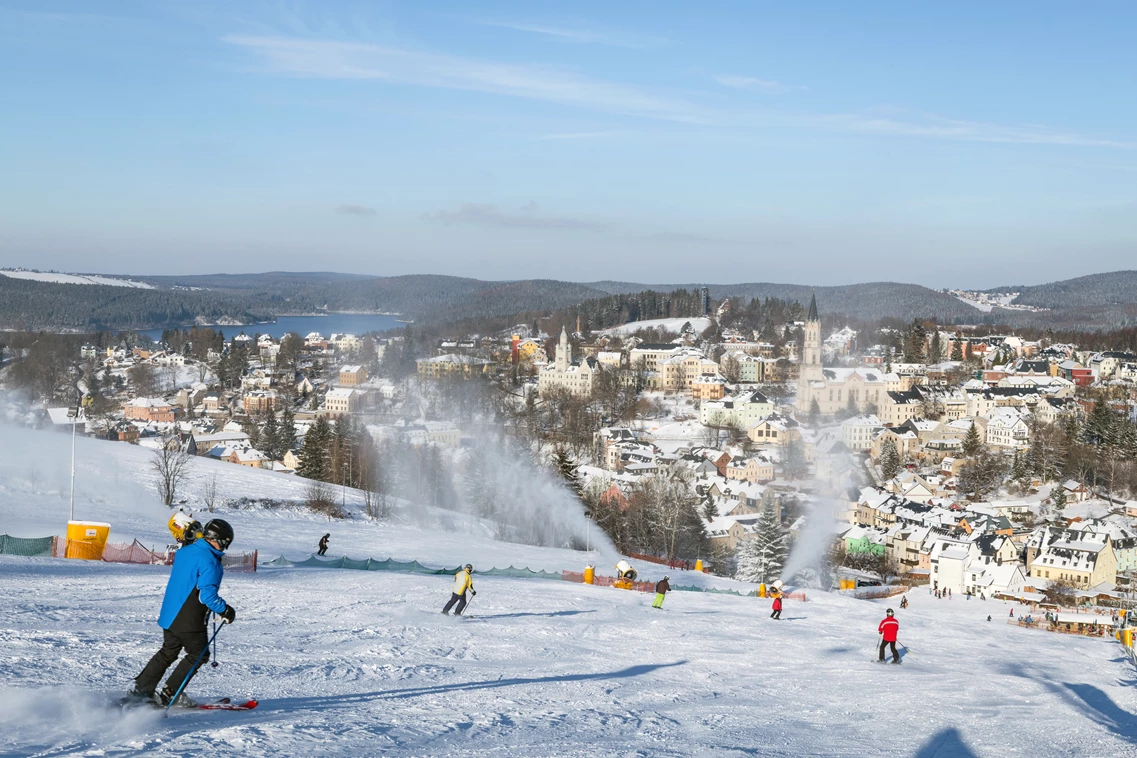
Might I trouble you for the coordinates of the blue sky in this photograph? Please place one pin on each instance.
(951, 144)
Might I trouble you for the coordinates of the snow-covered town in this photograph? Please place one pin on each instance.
(565, 380)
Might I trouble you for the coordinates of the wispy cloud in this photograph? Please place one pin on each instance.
(355, 210)
(575, 34)
(526, 217)
(756, 85)
(351, 60)
(936, 127)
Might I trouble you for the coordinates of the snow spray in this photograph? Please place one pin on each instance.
(813, 540)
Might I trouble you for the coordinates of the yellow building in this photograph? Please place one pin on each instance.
(453, 366)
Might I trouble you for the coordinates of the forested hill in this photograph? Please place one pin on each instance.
(868, 301)
(1106, 300)
(1113, 288)
(26, 304)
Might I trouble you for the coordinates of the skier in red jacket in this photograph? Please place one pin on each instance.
(889, 629)
(777, 611)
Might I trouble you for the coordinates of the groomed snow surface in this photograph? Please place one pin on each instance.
(359, 663)
(698, 323)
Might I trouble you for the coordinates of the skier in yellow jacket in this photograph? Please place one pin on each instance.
(462, 582)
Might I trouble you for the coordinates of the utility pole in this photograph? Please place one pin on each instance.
(73, 414)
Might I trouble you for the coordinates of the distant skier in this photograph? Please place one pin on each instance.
(324, 544)
(191, 593)
(904, 602)
(988, 617)
(462, 582)
(776, 613)
(662, 587)
(889, 629)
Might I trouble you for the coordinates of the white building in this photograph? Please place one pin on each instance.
(739, 412)
(562, 374)
(857, 432)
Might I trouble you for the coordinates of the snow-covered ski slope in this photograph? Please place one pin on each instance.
(362, 663)
(58, 278)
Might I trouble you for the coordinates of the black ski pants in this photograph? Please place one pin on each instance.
(456, 598)
(895, 655)
(776, 614)
(173, 642)
(323, 549)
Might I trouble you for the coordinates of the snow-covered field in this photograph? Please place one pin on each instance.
(698, 323)
(44, 276)
(361, 663)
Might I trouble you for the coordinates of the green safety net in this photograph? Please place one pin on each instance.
(715, 591)
(35, 546)
(405, 567)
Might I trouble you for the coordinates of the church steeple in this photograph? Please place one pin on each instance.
(813, 309)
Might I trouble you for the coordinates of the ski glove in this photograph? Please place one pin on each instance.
(473, 591)
(229, 614)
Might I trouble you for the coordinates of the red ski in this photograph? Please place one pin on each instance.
(225, 704)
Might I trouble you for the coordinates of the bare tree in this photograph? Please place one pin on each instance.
(170, 464)
(211, 492)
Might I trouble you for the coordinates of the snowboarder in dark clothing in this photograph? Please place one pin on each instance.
(462, 582)
(777, 609)
(662, 587)
(191, 593)
(904, 602)
(889, 629)
(324, 544)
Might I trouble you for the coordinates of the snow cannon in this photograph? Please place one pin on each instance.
(590, 574)
(185, 528)
(625, 576)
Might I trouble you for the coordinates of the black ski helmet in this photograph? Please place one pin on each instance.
(218, 529)
(469, 567)
(889, 612)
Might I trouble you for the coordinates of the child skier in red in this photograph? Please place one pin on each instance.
(777, 611)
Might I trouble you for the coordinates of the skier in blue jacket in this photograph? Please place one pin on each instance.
(191, 593)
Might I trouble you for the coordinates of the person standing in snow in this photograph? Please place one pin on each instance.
(662, 587)
(904, 602)
(776, 612)
(191, 593)
(324, 544)
(889, 629)
(462, 582)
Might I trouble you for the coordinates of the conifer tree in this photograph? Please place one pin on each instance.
(270, 437)
(814, 412)
(889, 459)
(957, 347)
(566, 467)
(972, 443)
(936, 351)
(314, 463)
(1058, 497)
(762, 557)
(286, 431)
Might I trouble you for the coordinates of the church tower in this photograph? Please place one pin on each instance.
(564, 353)
(810, 367)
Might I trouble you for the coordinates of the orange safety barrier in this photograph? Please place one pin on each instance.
(138, 553)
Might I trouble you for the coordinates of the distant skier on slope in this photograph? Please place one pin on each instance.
(324, 544)
(191, 593)
(889, 629)
(662, 587)
(903, 602)
(777, 607)
(462, 582)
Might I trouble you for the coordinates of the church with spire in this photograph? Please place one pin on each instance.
(835, 389)
(564, 375)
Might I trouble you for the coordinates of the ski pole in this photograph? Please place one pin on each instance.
(469, 605)
(174, 699)
(214, 663)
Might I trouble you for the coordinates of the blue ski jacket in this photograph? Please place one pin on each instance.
(197, 567)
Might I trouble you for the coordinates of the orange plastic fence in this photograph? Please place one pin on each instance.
(136, 552)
